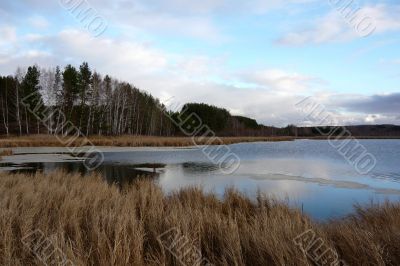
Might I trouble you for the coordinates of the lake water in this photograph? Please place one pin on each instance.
(310, 174)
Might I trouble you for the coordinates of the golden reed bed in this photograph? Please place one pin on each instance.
(142, 141)
(92, 223)
(5, 152)
(125, 141)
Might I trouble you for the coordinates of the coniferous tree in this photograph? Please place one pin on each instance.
(84, 87)
(70, 91)
(7, 87)
(84, 99)
(32, 98)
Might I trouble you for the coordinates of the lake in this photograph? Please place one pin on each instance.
(309, 174)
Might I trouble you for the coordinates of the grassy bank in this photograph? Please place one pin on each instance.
(95, 224)
(143, 141)
(126, 141)
(5, 152)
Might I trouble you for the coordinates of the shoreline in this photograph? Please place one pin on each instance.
(129, 141)
(148, 141)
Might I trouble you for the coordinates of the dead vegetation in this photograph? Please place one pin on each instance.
(5, 152)
(125, 141)
(93, 223)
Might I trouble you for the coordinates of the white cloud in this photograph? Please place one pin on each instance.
(190, 18)
(110, 54)
(8, 40)
(124, 59)
(346, 24)
(269, 95)
(281, 81)
(38, 22)
(272, 101)
(197, 27)
(262, 6)
(330, 28)
(386, 17)
(8, 35)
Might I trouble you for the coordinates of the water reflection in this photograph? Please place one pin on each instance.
(193, 168)
(114, 174)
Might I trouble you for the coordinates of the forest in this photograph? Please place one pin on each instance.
(98, 105)
(92, 103)
(42, 101)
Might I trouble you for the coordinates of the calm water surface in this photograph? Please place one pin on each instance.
(306, 173)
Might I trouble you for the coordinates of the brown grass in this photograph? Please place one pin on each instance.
(141, 141)
(5, 152)
(126, 141)
(97, 224)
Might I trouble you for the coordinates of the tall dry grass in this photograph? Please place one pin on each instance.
(126, 141)
(97, 224)
(5, 152)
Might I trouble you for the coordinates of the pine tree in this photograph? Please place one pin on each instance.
(32, 98)
(70, 90)
(84, 86)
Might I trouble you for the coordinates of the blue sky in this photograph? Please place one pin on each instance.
(255, 58)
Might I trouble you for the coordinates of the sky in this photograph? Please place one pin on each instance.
(256, 58)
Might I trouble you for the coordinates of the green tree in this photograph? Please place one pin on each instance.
(214, 117)
(70, 90)
(32, 98)
(84, 86)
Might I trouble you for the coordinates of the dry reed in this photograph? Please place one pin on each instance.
(97, 224)
(5, 152)
(127, 141)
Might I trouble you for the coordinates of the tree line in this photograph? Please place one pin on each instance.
(102, 105)
(92, 103)
(220, 121)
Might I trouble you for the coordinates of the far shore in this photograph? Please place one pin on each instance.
(126, 141)
(146, 141)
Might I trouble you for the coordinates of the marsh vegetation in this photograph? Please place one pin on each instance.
(127, 141)
(97, 224)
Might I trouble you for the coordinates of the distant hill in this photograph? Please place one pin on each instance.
(220, 120)
(225, 124)
(357, 130)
